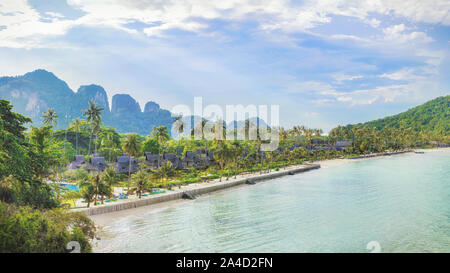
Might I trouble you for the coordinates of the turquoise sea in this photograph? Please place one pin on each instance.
(401, 202)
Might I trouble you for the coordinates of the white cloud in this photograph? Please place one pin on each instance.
(23, 23)
(403, 74)
(309, 87)
(311, 114)
(341, 77)
(24, 27)
(397, 34)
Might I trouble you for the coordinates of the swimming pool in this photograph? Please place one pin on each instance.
(71, 187)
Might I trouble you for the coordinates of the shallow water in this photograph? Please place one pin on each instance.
(402, 202)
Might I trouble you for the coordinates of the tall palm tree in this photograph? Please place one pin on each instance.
(179, 124)
(162, 135)
(49, 117)
(222, 154)
(76, 127)
(108, 142)
(309, 135)
(94, 117)
(236, 150)
(131, 146)
(282, 134)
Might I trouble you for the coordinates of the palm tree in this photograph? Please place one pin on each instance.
(162, 134)
(50, 117)
(236, 150)
(282, 134)
(131, 146)
(94, 117)
(108, 142)
(221, 154)
(76, 127)
(88, 194)
(318, 132)
(6, 188)
(309, 135)
(93, 187)
(140, 181)
(165, 172)
(179, 124)
(109, 176)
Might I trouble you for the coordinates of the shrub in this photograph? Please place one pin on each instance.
(78, 174)
(25, 230)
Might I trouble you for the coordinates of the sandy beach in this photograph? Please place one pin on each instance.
(105, 219)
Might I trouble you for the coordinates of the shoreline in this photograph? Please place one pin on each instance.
(104, 219)
(194, 189)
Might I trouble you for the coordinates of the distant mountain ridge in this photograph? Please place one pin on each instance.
(433, 115)
(35, 92)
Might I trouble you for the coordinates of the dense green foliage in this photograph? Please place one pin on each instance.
(29, 221)
(433, 115)
(22, 162)
(25, 230)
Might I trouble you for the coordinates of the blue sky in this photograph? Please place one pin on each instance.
(324, 62)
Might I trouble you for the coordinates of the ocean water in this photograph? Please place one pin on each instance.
(401, 202)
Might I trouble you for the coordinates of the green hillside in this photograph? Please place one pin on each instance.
(433, 115)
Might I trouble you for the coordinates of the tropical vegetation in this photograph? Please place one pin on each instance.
(34, 159)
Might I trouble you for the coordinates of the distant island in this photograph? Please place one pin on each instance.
(35, 92)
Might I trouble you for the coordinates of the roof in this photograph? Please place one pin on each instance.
(190, 155)
(123, 158)
(79, 158)
(169, 156)
(99, 163)
(343, 143)
(89, 167)
(151, 157)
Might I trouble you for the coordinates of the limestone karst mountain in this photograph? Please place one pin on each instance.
(35, 92)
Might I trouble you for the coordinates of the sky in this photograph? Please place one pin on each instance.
(325, 63)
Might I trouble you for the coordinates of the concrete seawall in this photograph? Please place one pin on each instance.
(201, 190)
(380, 154)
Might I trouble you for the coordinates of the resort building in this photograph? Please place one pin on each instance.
(98, 162)
(77, 163)
(152, 160)
(123, 165)
(342, 144)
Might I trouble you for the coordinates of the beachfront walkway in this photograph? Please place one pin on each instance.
(193, 188)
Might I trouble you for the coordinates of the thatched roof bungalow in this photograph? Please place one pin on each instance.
(123, 164)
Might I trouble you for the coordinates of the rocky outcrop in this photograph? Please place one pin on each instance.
(124, 103)
(35, 92)
(151, 107)
(92, 92)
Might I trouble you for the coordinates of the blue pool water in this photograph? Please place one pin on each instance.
(402, 202)
(71, 187)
